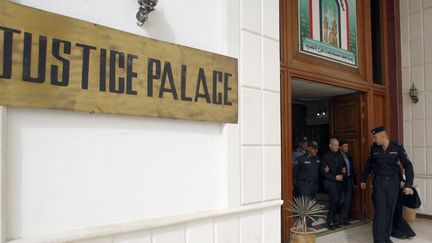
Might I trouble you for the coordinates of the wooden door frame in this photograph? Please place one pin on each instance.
(286, 138)
(376, 98)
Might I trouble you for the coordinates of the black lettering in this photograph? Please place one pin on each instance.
(202, 80)
(102, 70)
(130, 74)
(66, 63)
(26, 75)
(114, 56)
(183, 94)
(151, 75)
(167, 72)
(85, 64)
(7, 51)
(227, 89)
(217, 96)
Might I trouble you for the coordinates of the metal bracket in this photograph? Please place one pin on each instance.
(146, 7)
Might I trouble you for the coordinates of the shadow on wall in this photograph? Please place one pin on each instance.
(157, 26)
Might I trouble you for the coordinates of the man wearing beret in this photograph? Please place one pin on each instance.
(306, 172)
(302, 148)
(383, 163)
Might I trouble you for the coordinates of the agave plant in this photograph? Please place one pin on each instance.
(303, 209)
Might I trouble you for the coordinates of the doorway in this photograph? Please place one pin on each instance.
(320, 112)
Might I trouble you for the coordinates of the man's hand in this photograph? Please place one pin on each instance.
(363, 185)
(402, 184)
(339, 177)
(326, 169)
(408, 191)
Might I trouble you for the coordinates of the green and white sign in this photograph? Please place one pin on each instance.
(328, 29)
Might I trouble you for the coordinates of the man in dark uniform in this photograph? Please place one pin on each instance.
(331, 168)
(302, 148)
(306, 173)
(298, 152)
(383, 162)
(349, 181)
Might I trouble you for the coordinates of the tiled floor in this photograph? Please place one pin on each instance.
(363, 234)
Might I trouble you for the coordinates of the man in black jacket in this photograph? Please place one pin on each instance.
(331, 168)
(306, 172)
(349, 181)
(383, 163)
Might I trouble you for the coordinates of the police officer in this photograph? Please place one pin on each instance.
(383, 163)
(349, 181)
(306, 173)
(302, 148)
(331, 168)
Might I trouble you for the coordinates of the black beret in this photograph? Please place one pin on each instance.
(313, 145)
(377, 130)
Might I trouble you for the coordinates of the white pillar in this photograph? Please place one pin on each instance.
(3, 132)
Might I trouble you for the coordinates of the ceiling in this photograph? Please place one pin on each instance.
(303, 90)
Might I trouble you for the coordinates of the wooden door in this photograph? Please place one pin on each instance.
(346, 123)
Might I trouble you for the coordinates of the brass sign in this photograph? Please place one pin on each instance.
(57, 62)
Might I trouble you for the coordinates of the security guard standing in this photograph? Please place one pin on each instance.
(331, 168)
(383, 162)
(306, 171)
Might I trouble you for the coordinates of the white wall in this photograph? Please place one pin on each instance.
(67, 170)
(416, 38)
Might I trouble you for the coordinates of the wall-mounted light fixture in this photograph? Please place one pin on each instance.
(321, 113)
(146, 7)
(413, 93)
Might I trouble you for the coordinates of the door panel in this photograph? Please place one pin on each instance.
(346, 124)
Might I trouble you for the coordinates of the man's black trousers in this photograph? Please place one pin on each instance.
(346, 203)
(334, 190)
(384, 198)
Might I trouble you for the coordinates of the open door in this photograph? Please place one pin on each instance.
(346, 123)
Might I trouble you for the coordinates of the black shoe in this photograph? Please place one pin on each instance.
(345, 223)
(337, 225)
(331, 226)
(388, 240)
(400, 236)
